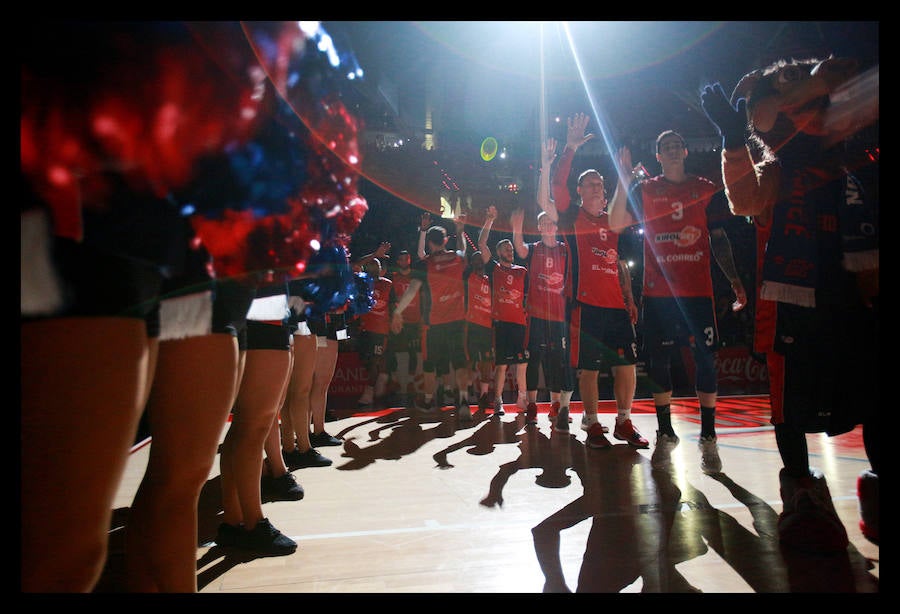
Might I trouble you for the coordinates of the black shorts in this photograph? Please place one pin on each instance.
(687, 321)
(444, 347)
(268, 336)
(601, 337)
(98, 283)
(547, 335)
(230, 305)
(509, 343)
(409, 339)
(479, 342)
(334, 326)
(371, 345)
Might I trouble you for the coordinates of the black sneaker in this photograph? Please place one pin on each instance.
(227, 534)
(282, 488)
(310, 458)
(265, 538)
(287, 457)
(324, 439)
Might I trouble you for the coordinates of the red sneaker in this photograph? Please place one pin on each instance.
(554, 410)
(595, 437)
(626, 432)
(531, 413)
(867, 491)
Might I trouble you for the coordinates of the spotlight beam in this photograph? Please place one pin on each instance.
(599, 115)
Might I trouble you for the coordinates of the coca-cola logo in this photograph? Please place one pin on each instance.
(740, 367)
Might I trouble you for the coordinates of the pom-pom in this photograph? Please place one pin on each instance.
(362, 298)
(241, 124)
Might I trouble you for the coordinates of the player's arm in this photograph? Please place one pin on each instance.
(403, 303)
(489, 217)
(619, 216)
(544, 199)
(517, 218)
(721, 249)
(424, 223)
(627, 292)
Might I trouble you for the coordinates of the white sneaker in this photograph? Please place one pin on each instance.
(710, 463)
(662, 453)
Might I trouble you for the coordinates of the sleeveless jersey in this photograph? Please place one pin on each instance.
(594, 262)
(547, 281)
(676, 235)
(508, 291)
(442, 273)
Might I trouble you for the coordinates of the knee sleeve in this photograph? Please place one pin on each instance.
(533, 373)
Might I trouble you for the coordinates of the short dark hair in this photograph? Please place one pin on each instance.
(667, 133)
(436, 235)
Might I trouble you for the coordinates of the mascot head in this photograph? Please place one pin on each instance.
(820, 98)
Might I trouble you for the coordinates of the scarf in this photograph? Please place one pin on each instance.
(822, 227)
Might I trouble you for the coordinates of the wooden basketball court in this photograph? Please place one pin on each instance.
(416, 504)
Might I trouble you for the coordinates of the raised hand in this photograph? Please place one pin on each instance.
(623, 162)
(548, 153)
(575, 136)
(425, 221)
(730, 121)
(517, 218)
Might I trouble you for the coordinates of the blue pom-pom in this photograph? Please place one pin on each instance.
(363, 297)
(333, 282)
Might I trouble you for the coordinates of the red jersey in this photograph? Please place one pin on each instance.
(508, 285)
(478, 299)
(593, 267)
(547, 281)
(676, 235)
(413, 312)
(378, 319)
(594, 262)
(442, 274)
